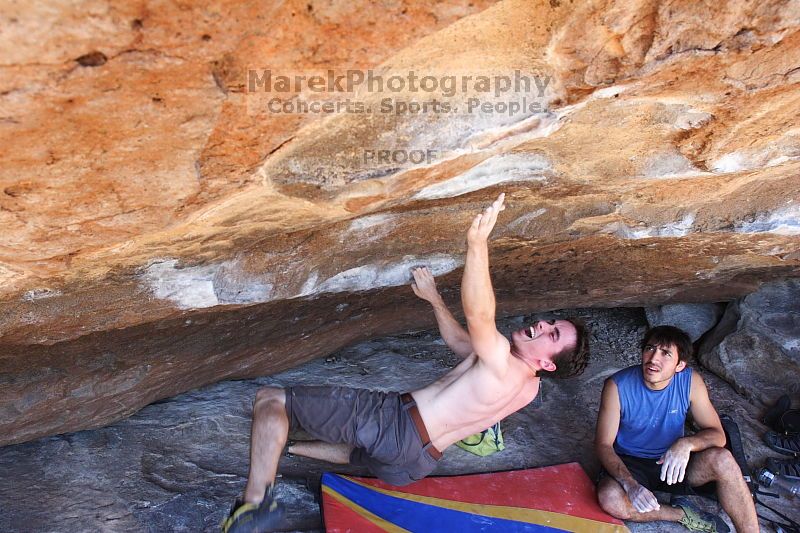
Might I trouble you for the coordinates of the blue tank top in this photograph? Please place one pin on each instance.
(650, 421)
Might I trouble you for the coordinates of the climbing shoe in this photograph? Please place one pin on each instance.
(286, 452)
(789, 468)
(785, 444)
(695, 519)
(255, 518)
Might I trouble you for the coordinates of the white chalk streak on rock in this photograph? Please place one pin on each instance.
(678, 228)
(782, 222)
(377, 275)
(188, 288)
(497, 169)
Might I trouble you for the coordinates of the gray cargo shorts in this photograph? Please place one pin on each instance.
(377, 425)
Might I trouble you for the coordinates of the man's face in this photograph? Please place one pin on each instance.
(544, 339)
(659, 364)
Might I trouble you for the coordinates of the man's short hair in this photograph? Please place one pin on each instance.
(571, 361)
(667, 335)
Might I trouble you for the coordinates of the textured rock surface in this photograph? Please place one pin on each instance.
(761, 358)
(163, 230)
(177, 464)
(694, 319)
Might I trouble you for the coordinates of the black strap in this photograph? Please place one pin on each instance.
(496, 428)
(790, 526)
(483, 436)
(790, 421)
(734, 444)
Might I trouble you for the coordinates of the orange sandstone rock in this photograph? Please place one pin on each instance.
(164, 228)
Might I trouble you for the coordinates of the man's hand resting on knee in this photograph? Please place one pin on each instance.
(643, 500)
(673, 462)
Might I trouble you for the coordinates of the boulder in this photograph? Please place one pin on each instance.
(694, 319)
(761, 357)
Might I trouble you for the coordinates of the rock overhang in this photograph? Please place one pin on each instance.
(659, 168)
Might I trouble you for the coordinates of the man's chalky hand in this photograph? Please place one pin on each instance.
(424, 286)
(643, 500)
(673, 462)
(483, 223)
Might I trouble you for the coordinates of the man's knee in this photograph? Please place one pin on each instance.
(612, 499)
(267, 397)
(720, 461)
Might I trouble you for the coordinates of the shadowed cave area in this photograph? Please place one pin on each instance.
(178, 463)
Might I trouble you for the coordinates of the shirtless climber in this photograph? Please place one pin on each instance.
(400, 437)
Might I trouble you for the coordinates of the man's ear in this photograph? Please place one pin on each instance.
(681, 366)
(547, 365)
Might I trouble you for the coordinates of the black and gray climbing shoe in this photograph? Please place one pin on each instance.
(256, 518)
(695, 519)
(782, 443)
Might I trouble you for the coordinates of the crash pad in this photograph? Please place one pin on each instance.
(553, 498)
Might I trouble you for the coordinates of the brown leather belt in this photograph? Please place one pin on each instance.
(420, 425)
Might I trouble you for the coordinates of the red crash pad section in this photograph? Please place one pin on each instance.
(554, 498)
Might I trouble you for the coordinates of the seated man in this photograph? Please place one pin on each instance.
(641, 445)
(400, 437)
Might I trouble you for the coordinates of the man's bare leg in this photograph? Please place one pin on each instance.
(267, 438)
(324, 451)
(615, 502)
(717, 464)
